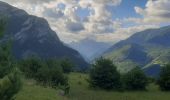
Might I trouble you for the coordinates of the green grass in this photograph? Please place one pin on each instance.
(31, 91)
(81, 91)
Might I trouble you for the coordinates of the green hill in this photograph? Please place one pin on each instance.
(145, 49)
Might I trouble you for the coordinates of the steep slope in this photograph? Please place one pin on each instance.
(32, 35)
(149, 49)
(90, 49)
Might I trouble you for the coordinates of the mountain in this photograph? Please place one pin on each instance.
(32, 35)
(89, 48)
(149, 49)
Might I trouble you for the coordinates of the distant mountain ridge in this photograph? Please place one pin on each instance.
(32, 35)
(89, 48)
(149, 49)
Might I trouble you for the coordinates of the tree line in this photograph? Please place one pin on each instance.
(51, 72)
(103, 74)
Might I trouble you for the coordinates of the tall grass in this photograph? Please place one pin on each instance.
(81, 91)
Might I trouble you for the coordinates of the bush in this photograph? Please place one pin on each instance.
(135, 80)
(10, 82)
(10, 85)
(104, 75)
(51, 74)
(67, 65)
(30, 66)
(5, 51)
(5, 59)
(45, 72)
(164, 79)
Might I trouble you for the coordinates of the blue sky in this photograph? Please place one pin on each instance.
(100, 20)
(126, 8)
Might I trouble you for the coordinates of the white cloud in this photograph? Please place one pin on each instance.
(66, 22)
(156, 11)
(54, 13)
(63, 18)
(123, 33)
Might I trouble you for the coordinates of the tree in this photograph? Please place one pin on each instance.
(45, 72)
(5, 52)
(104, 74)
(10, 85)
(10, 82)
(57, 78)
(135, 80)
(30, 66)
(67, 65)
(164, 79)
(51, 74)
(42, 75)
(5, 59)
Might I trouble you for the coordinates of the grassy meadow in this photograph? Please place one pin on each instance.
(80, 91)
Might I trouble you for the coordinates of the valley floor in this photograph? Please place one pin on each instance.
(80, 91)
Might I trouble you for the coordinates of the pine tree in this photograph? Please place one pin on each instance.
(135, 80)
(104, 75)
(164, 79)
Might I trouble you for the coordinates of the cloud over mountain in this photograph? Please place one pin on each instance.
(75, 20)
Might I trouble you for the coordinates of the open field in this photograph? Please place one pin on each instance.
(80, 91)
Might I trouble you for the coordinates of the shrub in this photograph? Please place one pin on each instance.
(164, 79)
(10, 85)
(67, 65)
(30, 66)
(135, 80)
(46, 72)
(10, 82)
(51, 74)
(5, 59)
(103, 74)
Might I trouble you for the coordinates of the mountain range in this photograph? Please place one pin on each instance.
(32, 35)
(149, 49)
(90, 49)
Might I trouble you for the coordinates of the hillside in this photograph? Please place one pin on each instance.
(32, 35)
(149, 49)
